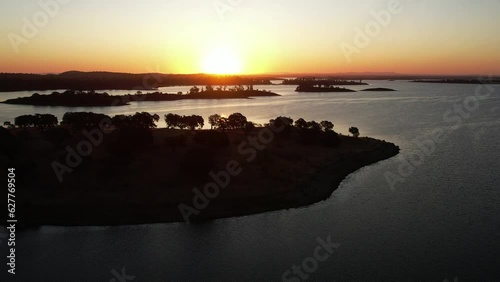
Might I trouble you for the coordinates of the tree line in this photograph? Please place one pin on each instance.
(85, 120)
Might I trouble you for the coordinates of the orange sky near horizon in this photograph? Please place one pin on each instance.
(253, 37)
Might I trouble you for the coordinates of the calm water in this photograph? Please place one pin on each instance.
(442, 222)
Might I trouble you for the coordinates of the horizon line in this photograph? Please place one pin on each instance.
(367, 73)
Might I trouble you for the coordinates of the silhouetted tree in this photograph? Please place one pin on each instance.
(8, 124)
(82, 120)
(301, 123)
(223, 124)
(42, 121)
(24, 121)
(213, 120)
(144, 120)
(172, 120)
(237, 120)
(194, 121)
(327, 125)
(354, 131)
(314, 126)
(282, 121)
(122, 121)
(194, 90)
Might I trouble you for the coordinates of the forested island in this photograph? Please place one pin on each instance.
(311, 87)
(71, 98)
(322, 81)
(93, 169)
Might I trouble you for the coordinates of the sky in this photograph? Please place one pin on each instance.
(251, 36)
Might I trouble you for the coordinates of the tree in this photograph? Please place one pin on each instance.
(144, 120)
(24, 121)
(314, 126)
(194, 121)
(213, 120)
(82, 120)
(42, 121)
(223, 124)
(122, 121)
(354, 131)
(210, 88)
(194, 90)
(301, 123)
(182, 123)
(8, 124)
(172, 120)
(237, 120)
(281, 122)
(327, 125)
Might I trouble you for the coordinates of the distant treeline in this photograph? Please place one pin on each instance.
(459, 81)
(75, 80)
(321, 81)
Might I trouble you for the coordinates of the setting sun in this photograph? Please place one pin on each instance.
(222, 60)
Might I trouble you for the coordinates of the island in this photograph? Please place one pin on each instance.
(91, 169)
(459, 81)
(321, 88)
(378, 90)
(92, 99)
(323, 81)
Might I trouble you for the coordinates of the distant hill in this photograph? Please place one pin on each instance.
(76, 80)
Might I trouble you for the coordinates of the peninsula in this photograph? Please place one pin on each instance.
(136, 174)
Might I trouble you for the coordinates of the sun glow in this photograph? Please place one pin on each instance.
(222, 60)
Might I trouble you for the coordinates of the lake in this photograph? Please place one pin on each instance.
(441, 219)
